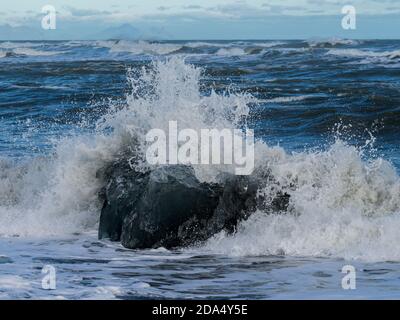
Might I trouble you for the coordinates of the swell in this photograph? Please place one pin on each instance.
(342, 203)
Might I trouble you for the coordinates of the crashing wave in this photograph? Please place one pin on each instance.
(333, 42)
(139, 47)
(34, 53)
(340, 205)
(386, 59)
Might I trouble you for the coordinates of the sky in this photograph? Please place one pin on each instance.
(199, 19)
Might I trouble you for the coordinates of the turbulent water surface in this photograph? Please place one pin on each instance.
(326, 117)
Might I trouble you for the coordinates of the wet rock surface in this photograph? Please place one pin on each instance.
(169, 207)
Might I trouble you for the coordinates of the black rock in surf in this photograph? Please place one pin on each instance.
(169, 207)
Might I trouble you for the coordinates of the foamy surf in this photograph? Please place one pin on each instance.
(139, 47)
(341, 207)
(59, 194)
(387, 59)
(341, 204)
(365, 53)
(332, 42)
(34, 52)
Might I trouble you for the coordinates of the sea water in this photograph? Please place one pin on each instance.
(325, 116)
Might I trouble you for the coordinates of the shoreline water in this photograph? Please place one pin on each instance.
(310, 113)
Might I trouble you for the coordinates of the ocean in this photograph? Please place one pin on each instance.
(325, 113)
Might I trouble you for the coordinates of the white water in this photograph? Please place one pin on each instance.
(364, 53)
(25, 49)
(287, 99)
(232, 52)
(139, 47)
(35, 52)
(341, 205)
(387, 59)
(331, 42)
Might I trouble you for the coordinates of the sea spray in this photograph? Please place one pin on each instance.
(341, 206)
(340, 203)
(59, 194)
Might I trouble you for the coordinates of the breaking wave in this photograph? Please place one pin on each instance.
(386, 59)
(341, 204)
(361, 53)
(189, 48)
(34, 53)
(25, 49)
(139, 47)
(333, 42)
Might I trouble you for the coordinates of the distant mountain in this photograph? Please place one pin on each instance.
(129, 32)
(125, 31)
(157, 33)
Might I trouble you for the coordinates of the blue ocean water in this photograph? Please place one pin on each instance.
(326, 114)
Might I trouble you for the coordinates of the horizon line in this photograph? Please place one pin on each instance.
(241, 39)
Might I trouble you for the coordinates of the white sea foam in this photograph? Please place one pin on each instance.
(234, 51)
(332, 42)
(340, 204)
(17, 44)
(59, 194)
(270, 44)
(157, 48)
(388, 59)
(198, 44)
(286, 99)
(26, 49)
(267, 44)
(246, 49)
(55, 195)
(364, 53)
(139, 47)
(10, 282)
(34, 52)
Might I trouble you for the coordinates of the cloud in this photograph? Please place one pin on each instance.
(86, 12)
(193, 7)
(216, 20)
(243, 10)
(390, 1)
(225, 12)
(239, 9)
(326, 2)
(163, 8)
(366, 7)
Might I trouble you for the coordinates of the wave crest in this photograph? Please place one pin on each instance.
(340, 204)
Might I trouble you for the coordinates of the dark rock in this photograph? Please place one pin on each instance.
(172, 206)
(124, 188)
(168, 207)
